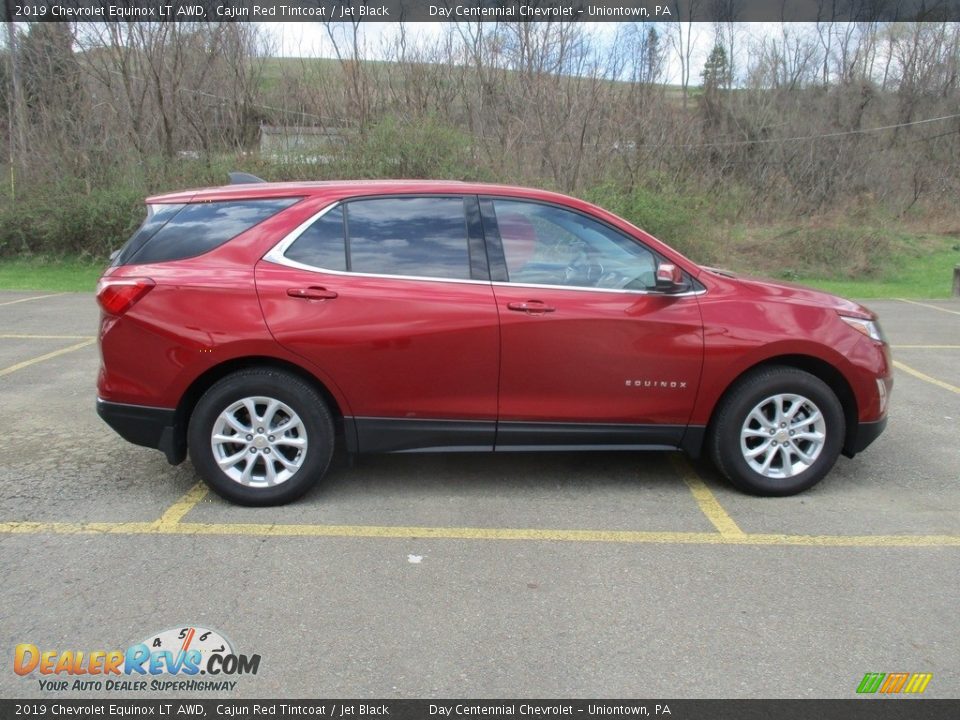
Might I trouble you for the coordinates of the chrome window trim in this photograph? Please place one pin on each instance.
(618, 291)
(310, 268)
(276, 255)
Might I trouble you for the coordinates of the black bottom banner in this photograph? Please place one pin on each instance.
(853, 709)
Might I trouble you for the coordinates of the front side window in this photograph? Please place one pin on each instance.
(547, 245)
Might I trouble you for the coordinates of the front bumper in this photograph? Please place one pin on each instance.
(147, 426)
(865, 434)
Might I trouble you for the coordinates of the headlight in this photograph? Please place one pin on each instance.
(870, 328)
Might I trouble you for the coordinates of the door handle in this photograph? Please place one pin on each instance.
(531, 307)
(312, 293)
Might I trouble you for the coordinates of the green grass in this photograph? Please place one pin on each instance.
(925, 276)
(45, 275)
(870, 260)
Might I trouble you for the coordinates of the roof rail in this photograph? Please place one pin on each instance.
(242, 178)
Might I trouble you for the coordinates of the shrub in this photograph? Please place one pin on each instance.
(833, 252)
(667, 215)
(427, 148)
(68, 223)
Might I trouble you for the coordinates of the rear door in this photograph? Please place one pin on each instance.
(590, 355)
(390, 298)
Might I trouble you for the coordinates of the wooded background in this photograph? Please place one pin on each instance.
(842, 136)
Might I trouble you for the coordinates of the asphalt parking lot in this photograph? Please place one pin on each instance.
(565, 575)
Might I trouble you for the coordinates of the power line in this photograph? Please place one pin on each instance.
(302, 113)
(801, 138)
(767, 141)
(722, 143)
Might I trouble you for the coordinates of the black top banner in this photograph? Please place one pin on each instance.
(482, 10)
(854, 709)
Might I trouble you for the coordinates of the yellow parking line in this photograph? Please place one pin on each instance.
(932, 307)
(20, 336)
(729, 533)
(48, 356)
(36, 297)
(926, 378)
(706, 500)
(467, 533)
(176, 512)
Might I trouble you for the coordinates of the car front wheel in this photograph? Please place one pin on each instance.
(778, 431)
(261, 437)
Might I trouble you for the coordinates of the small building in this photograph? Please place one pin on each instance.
(301, 142)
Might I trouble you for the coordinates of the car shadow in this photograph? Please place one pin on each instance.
(520, 474)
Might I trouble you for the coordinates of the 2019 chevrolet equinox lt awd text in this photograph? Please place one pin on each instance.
(255, 325)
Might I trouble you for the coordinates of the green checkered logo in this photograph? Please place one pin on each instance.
(893, 683)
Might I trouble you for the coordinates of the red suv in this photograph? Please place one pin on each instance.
(257, 325)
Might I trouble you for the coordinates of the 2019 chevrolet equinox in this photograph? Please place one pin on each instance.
(255, 325)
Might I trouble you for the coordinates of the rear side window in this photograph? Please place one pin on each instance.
(198, 228)
(407, 236)
(322, 245)
(418, 236)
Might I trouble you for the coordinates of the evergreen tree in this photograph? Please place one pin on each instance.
(715, 70)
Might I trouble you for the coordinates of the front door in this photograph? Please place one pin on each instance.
(589, 355)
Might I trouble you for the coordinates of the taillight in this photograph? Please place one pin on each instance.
(118, 296)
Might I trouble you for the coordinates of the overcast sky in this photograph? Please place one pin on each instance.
(310, 39)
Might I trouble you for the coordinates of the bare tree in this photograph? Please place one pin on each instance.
(683, 39)
(346, 39)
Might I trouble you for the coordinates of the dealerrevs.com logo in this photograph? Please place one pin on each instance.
(172, 660)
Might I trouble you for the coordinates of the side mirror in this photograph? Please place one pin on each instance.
(669, 278)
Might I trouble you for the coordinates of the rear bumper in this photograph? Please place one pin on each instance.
(147, 426)
(866, 433)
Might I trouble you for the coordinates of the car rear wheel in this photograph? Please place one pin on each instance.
(261, 437)
(778, 431)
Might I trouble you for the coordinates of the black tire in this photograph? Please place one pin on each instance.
(724, 438)
(298, 396)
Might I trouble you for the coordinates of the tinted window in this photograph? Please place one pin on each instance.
(408, 236)
(545, 245)
(200, 227)
(157, 217)
(322, 244)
